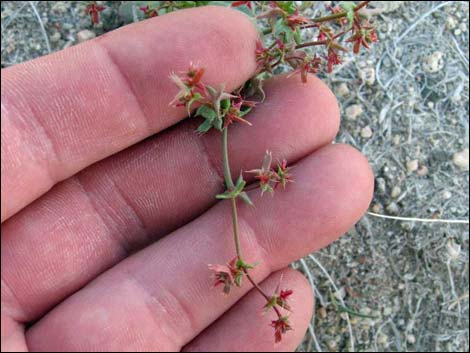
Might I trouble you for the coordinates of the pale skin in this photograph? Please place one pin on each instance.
(106, 237)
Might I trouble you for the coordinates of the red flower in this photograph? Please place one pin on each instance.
(281, 326)
(226, 274)
(282, 299)
(148, 12)
(235, 113)
(333, 59)
(193, 77)
(94, 10)
(240, 3)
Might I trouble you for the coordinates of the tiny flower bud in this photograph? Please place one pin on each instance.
(281, 326)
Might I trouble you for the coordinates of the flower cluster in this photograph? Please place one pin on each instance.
(219, 108)
(231, 274)
(285, 26)
(279, 298)
(282, 44)
(281, 326)
(270, 178)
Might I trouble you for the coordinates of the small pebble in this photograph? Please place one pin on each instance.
(396, 191)
(382, 339)
(392, 208)
(412, 166)
(411, 339)
(422, 170)
(446, 195)
(366, 132)
(342, 90)
(388, 311)
(376, 208)
(353, 111)
(367, 75)
(460, 159)
(434, 62)
(332, 346)
(322, 312)
(396, 139)
(55, 37)
(381, 186)
(451, 23)
(453, 249)
(458, 32)
(85, 35)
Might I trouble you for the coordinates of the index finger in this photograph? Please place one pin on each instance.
(65, 111)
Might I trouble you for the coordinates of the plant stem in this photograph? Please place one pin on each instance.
(236, 236)
(226, 165)
(229, 183)
(311, 44)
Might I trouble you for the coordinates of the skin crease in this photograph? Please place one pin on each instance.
(84, 242)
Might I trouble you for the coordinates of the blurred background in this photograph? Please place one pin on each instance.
(390, 284)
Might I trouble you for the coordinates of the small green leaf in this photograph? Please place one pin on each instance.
(224, 106)
(244, 266)
(195, 98)
(271, 303)
(217, 123)
(349, 7)
(281, 28)
(266, 187)
(238, 279)
(244, 196)
(287, 6)
(206, 112)
(204, 127)
(297, 37)
(245, 111)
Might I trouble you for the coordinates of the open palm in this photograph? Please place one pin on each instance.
(108, 212)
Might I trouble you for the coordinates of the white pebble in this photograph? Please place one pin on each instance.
(396, 191)
(55, 37)
(366, 132)
(434, 62)
(453, 249)
(342, 90)
(460, 159)
(85, 35)
(451, 23)
(353, 111)
(411, 339)
(388, 311)
(412, 166)
(367, 75)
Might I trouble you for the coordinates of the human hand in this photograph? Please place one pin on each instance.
(85, 199)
